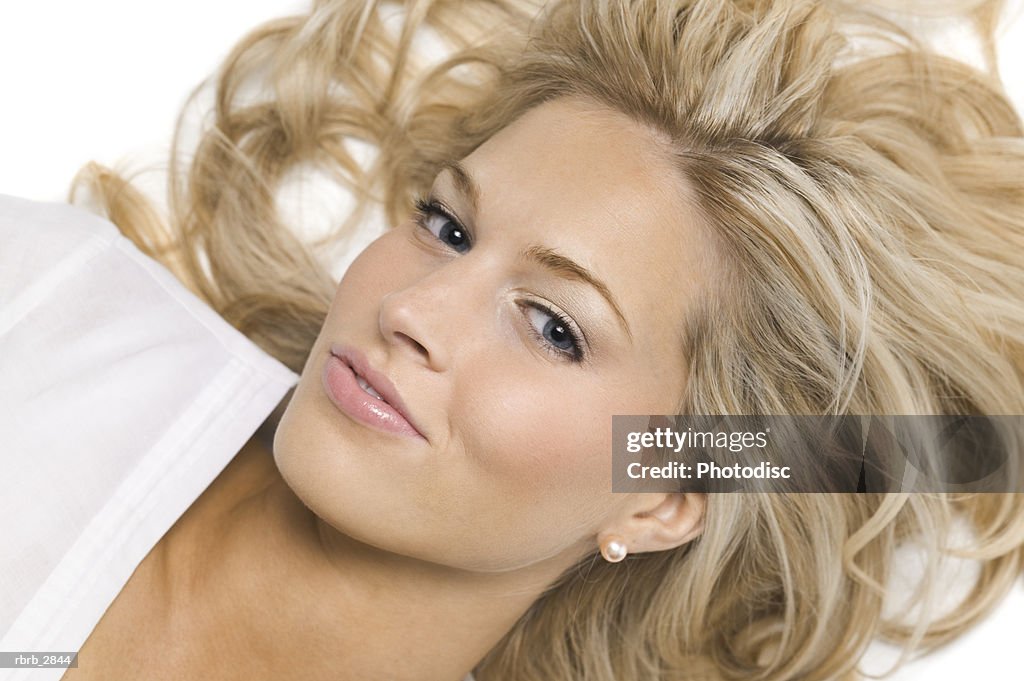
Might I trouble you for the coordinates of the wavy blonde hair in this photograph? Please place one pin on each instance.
(864, 195)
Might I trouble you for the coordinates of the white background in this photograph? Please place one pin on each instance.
(104, 80)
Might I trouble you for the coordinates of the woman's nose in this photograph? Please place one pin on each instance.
(414, 320)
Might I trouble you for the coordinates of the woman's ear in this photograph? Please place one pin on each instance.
(659, 522)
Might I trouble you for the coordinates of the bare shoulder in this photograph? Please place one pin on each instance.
(136, 621)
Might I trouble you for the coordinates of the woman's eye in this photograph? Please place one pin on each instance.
(555, 332)
(436, 220)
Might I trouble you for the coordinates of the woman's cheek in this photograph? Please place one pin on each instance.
(379, 268)
(534, 432)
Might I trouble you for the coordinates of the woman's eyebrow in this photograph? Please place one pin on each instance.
(464, 182)
(567, 268)
(548, 258)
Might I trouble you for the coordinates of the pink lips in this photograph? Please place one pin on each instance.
(339, 379)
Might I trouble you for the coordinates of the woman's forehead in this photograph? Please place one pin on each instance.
(572, 151)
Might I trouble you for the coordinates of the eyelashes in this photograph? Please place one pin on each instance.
(564, 342)
(430, 212)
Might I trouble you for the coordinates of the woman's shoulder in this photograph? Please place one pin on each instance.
(124, 397)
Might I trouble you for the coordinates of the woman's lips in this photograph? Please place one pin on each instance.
(343, 389)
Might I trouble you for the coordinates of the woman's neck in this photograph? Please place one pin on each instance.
(255, 584)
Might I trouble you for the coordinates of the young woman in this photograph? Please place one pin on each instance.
(635, 207)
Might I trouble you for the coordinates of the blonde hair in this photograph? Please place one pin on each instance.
(865, 200)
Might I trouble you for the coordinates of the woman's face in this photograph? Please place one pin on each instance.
(510, 359)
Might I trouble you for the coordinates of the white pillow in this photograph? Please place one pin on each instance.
(122, 396)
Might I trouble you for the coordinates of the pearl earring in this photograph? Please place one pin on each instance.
(614, 550)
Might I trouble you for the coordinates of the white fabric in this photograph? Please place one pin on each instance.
(122, 396)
